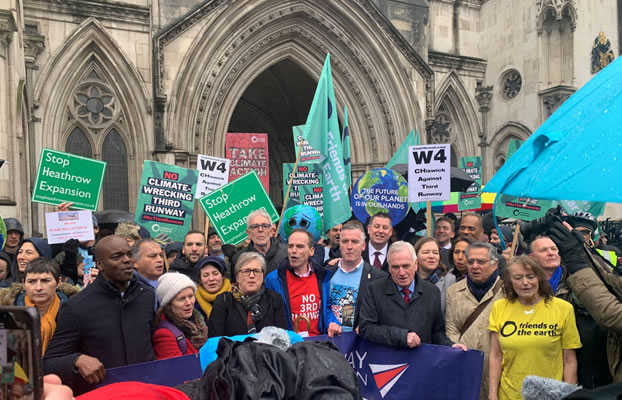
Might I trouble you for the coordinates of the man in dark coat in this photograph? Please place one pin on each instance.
(350, 279)
(403, 310)
(379, 230)
(107, 325)
(260, 231)
(191, 252)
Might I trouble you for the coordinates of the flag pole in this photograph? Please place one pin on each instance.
(289, 187)
(515, 238)
(428, 217)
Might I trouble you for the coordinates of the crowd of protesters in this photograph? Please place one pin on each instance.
(127, 298)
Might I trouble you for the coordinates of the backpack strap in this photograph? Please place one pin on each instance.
(467, 324)
(179, 335)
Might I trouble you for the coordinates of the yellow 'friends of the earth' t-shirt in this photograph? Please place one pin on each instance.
(532, 339)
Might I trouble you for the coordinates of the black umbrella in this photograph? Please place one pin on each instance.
(113, 216)
(460, 180)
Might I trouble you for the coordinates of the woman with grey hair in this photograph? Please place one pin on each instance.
(250, 306)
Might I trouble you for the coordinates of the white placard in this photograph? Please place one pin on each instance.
(65, 225)
(213, 173)
(429, 173)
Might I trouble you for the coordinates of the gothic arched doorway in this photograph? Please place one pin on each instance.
(276, 101)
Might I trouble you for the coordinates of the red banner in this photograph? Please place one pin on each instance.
(248, 152)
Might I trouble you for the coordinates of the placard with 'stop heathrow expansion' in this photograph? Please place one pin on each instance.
(429, 173)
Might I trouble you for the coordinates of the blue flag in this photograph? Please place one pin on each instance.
(346, 147)
(322, 133)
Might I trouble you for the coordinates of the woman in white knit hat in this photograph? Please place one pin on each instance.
(180, 328)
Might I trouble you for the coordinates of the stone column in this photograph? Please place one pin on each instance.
(7, 116)
(34, 43)
(483, 95)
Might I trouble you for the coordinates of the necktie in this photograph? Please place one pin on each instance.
(406, 292)
(377, 262)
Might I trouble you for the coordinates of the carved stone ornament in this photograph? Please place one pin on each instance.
(511, 84)
(483, 95)
(441, 129)
(557, 8)
(7, 28)
(554, 97)
(602, 54)
(34, 43)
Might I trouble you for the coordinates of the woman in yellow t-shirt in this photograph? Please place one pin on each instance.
(531, 332)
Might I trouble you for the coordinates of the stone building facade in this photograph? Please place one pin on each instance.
(167, 79)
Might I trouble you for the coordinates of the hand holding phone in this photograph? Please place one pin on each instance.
(91, 369)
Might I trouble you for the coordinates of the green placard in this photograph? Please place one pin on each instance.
(596, 208)
(521, 208)
(308, 179)
(228, 207)
(166, 199)
(471, 199)
(64, 177)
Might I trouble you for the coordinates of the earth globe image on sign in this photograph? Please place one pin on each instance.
(380, 190)
(301, 217)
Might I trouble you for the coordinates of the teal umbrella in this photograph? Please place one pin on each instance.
(577, 152)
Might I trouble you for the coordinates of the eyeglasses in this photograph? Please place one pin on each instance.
(248, 272)
(479, 261)
(254, 227)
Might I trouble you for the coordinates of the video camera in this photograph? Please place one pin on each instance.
(541, 225)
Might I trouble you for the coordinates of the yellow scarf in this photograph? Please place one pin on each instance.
(48, 320)
(206, 299)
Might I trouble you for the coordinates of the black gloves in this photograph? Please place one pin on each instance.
(570, 245)
(70, 248)
(70, 262)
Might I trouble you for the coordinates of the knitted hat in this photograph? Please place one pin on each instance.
(214, 261)
(211, 231)
(170, 284)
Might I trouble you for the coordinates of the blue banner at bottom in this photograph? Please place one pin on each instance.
(427, 372)
(169, 372)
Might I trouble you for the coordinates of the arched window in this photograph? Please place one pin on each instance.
(78, 144)
(115, 188)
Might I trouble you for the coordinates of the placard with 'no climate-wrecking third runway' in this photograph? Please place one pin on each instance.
(429, 173)
(228, 206)
(64, 177)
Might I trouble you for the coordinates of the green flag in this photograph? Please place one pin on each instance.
(401, 155)
(345, 140)
(322, 133)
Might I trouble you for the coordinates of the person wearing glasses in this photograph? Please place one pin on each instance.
(250, 306)
(260, 231)
(470, 300)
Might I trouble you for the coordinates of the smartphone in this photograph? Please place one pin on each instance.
(21, 365)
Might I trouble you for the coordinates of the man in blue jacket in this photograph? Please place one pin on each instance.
(303, 285)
